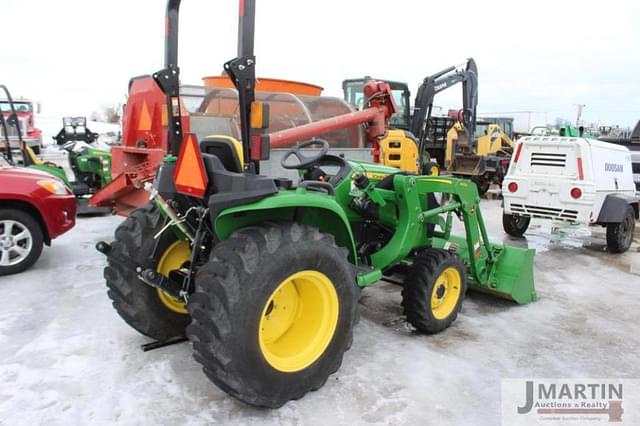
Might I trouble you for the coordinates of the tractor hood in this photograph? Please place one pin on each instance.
(374, 171)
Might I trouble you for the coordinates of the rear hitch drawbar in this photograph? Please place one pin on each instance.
(104, 247)
(146, 275)
(153, 279)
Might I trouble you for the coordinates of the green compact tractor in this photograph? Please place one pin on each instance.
(263, 275)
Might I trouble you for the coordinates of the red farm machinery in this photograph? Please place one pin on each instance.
(207, 110)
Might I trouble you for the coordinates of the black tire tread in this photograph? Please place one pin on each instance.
(617, 242)
(510, 227)
(136, 303)
(218, 289)
(416, 292)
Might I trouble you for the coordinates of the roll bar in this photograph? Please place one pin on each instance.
(241, 70)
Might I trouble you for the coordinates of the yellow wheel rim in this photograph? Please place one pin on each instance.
(176, 255)
(446, 293)
(435, 171)
(298, 321)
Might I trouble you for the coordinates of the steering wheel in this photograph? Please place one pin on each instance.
(304, 162)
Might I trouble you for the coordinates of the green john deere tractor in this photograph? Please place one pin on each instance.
(263, 275)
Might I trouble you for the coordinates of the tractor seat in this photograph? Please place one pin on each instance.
(227, 149)
(33, 159)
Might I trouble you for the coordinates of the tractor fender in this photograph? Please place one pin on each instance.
(308, 207)
(614, 207)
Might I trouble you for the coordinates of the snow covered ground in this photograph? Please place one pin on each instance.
(67, 358)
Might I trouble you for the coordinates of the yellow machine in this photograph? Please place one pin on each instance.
(408, 138)
(491, 141)
(484, 160)
(399, 149)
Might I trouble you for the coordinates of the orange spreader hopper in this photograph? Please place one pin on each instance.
(268, 85)
(206, 111)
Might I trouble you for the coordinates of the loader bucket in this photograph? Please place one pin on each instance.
(509, 277)
(512, 275)
(471, 165)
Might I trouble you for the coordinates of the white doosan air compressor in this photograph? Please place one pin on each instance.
(575, 180)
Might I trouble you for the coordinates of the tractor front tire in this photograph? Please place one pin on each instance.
(434, 290)
(620, 235)
(273, 312)
(514, 225)
(148, 310)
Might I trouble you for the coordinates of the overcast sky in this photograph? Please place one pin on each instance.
(76, 55)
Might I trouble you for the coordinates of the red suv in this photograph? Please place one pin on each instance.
(35, 208)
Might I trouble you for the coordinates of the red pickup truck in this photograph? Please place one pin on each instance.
(35, 208)
(31, 135)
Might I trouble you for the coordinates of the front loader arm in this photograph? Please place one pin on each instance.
(410, 191)
(501, 270)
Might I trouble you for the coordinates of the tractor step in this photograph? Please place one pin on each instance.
(367, 275)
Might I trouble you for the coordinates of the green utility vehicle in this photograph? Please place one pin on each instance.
(91, 166)
(263, 275)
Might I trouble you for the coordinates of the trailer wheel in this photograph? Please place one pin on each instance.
(273, 312)
(434, 290)
(21, 241)
(482, 183)
(514, 225)
(148, 310)
(620, 235)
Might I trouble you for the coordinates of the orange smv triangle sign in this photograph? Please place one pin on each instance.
(190, 176)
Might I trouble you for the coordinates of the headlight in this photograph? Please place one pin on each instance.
(53, 186)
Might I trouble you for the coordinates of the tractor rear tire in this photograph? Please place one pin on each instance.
(434, 290)
(620, 235)
(248, 342)
(143, 307)
(514, 225)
